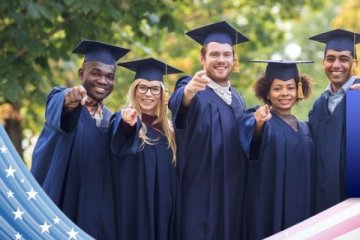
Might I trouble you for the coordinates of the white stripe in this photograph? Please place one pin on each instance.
(322, 225)
(352, 235)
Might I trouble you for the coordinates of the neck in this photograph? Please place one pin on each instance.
(281, 112)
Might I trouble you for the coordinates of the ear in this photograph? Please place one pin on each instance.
(202, 60)
(81, 73)
(323, 64)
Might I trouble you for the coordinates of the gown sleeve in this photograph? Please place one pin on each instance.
(56, 117)
(251, 144)
(124, 142)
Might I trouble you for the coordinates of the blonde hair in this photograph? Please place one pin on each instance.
(162, 119)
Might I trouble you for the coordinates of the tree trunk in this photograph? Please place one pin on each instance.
(10, 117)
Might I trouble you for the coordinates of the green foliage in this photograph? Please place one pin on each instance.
(37, 37)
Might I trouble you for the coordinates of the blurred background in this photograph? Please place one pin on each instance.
(37, 37)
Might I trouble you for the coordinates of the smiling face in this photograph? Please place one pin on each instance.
(282, 95)
(98, 79)
(337, 66)
(218, 61)
(148, 96)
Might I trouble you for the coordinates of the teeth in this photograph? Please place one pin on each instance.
(100, 89)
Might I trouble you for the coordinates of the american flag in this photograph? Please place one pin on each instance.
(26, 212)
(341, 222)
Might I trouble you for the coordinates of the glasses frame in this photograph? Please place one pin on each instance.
(147, 89)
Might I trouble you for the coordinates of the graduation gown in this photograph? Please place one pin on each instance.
(70, 163)
(278, 191)
(211, 164)
(328, 130)
(144, 184)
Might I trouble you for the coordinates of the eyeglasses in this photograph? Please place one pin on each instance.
(155, 90)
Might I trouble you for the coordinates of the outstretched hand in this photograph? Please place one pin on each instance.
(129, 115)
(355, 86)
(196, 84)
(74, 97)
(261, 115)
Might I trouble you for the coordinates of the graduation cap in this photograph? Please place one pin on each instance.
(220, 32)
(150, 69)
(338, 40)
(283, 70)
(99, 51)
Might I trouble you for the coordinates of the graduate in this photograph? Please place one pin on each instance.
(144, 157)
(71, 153)
(206, 110)
(327, 117)
(280, 152)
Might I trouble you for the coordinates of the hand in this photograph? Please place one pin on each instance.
(196, 84)
(355, 86)
(75, 96)
(129, 115)
(261, 115)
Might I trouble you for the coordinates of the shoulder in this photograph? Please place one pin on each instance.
(182, 81)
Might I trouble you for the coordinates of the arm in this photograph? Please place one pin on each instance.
(124, 132)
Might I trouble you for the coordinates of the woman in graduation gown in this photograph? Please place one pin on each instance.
(280, 150)
(143, 157)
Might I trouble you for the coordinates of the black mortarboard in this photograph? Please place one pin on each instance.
(99, 51)
(281, 69)
(338, 40)
(150, 69)
(220, 32)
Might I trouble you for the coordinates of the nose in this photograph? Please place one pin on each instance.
(148, 92)
(284, 92)
(221, 58)
(102, 79)
(336, 63)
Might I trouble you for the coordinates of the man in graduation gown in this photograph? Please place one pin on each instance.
(70, 156)
(327, 117)
(206, 111)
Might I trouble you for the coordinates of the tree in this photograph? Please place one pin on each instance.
(37, 37)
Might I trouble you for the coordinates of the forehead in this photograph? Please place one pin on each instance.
(331, 52)
(149, 83)
(220, 47)
(282, 82)
(90, 65)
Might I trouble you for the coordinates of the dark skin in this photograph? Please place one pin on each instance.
(98, 80)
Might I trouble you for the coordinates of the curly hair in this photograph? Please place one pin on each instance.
(262, 87)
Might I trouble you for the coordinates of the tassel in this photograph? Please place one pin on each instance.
(300, 93)
(236, 65)
(353, 68)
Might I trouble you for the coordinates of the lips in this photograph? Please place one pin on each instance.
(284, 101)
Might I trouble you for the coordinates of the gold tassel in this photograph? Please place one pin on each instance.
(353, 68)
(300, 93)
(236, 65)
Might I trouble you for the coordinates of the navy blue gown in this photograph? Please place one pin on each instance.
(278, 192)
(211, 164)
(144, 183)
(70, 161)
(328, 130)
